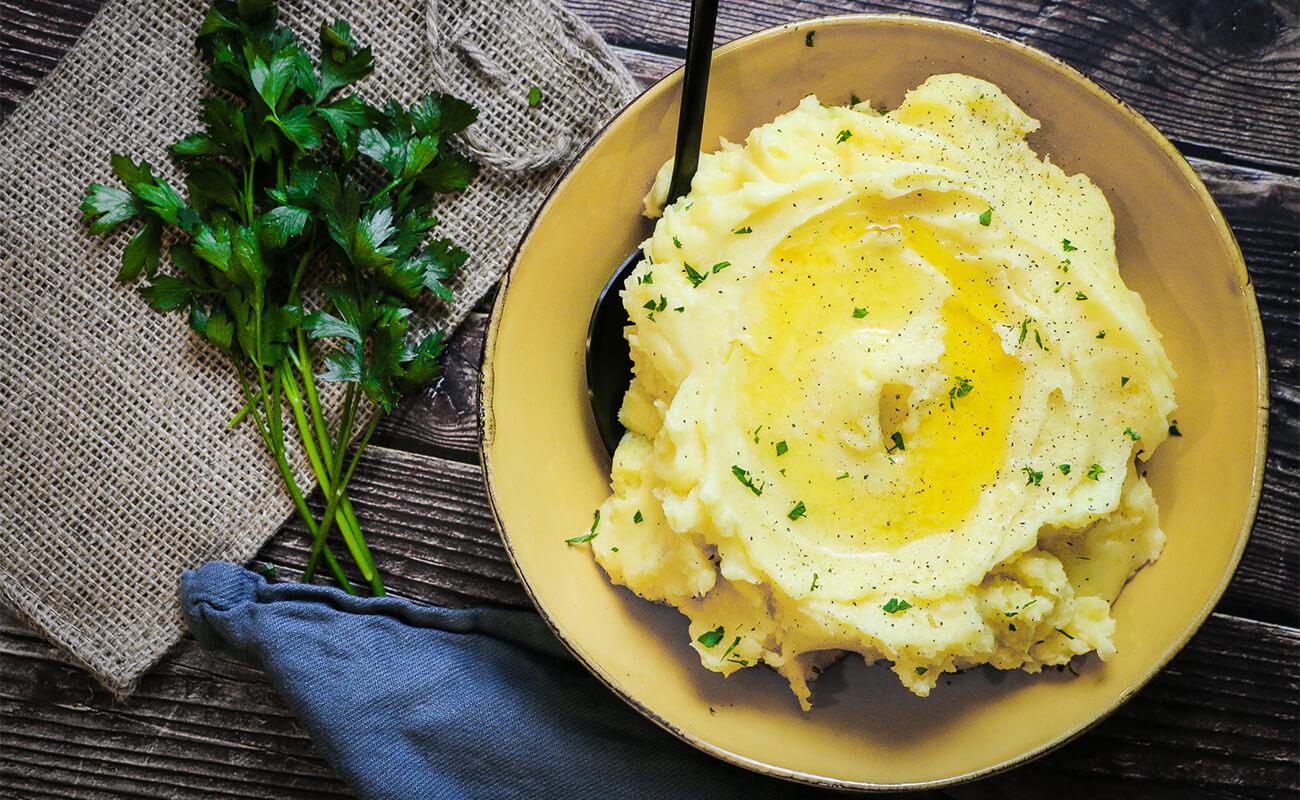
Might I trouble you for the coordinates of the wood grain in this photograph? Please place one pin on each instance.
(1220, 78)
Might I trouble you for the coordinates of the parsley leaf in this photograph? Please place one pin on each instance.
(694, 276)
(711, 638)
(962, 388)
(782, 448)
(534, 96)
(1067, 247)
(986, 218)
(798, 511)
(747, 480)
(589, 535)
(843, 136)
(1034, 476)
(859, 313)
(897, 438)
(1095, 471)
(895, 606)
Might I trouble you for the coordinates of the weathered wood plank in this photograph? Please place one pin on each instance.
(1219, 78)
(1219, 722)
(34, 35)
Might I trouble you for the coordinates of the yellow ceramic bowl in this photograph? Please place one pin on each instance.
(546, 469)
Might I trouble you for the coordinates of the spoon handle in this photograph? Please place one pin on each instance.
(695, 88)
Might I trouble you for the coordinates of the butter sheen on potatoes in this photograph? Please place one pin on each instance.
(889, 389)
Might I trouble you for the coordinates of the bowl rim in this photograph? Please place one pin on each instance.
(486, 422)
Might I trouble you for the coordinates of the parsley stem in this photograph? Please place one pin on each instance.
(287, 474)
(350, 527)
(331, 510)
(334, 494)
(313, 400)
(304, 431)
(239, 417)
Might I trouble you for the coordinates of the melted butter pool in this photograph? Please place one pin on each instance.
(843, 356)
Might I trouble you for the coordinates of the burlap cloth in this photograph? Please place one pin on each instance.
(118, 468)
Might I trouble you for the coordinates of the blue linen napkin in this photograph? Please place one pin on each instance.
(411, 701)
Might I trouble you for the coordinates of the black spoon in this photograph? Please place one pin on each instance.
(609, 362)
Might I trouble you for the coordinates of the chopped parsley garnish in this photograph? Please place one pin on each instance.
(854, 99)
(1173, 429)
(808, 38)
(1132, 434)
(534, 96)
(842, 476)
(720, 266)
(1065, 265)
(859, 313)
(1011, 626)
(1064, 468)
(1067, 247)
(959, 391)
(587, 537)
(693, 276)
(895, 605)
(1095, 471)
(743, 231)
(798, 511)
(747, 480)
(653, 306)
(782, 448)
(1024, 330)
(1057, 289)
(1064, 633)
(1038, 340)
(1035, 477)
(677, 243)
(921, 670)
(1123, 381)
(649, 277)
(843, 136)
(711, 638)
(637, 518)
(986, 218)
(680, 309)
(741, 661)
(733, 647)
(1022, 608)
(1101, 334)
(897, 438)
(1080, 296)
(756, 432)
(813, 588)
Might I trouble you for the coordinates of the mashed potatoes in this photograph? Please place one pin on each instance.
(888, 392)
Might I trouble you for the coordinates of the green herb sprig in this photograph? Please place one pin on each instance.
(293, 185)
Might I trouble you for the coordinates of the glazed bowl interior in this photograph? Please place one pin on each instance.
(547, 470)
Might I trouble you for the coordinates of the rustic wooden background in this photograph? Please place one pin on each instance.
(1221, 79)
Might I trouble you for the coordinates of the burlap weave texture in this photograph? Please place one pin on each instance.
(118, 471)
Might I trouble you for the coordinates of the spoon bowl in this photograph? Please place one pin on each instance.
(609, 360)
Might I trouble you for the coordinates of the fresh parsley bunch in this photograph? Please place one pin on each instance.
(292, 185)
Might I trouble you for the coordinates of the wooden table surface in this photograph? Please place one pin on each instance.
(1221, 79)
